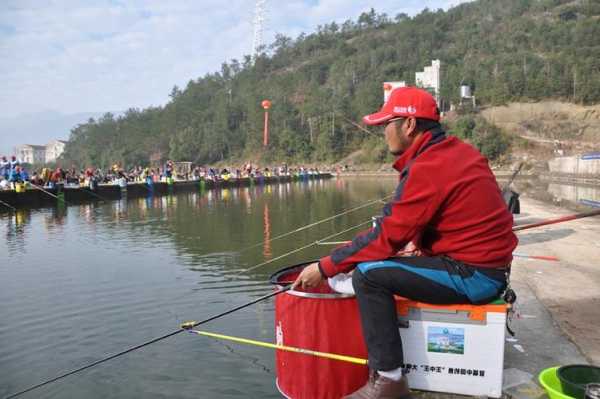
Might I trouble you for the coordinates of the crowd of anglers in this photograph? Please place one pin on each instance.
(14, 176)
(11, 173)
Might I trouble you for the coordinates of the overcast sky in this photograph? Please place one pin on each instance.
(98, 55)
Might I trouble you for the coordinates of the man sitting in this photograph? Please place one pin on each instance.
(448, 204)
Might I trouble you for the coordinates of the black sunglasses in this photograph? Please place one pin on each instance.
(395, 120)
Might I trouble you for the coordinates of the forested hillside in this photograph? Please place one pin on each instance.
(506, 50)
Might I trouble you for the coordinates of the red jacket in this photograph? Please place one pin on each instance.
(447, 202)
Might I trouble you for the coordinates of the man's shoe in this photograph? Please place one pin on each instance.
(379, 387)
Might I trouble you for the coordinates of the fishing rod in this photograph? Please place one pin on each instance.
(327, 355)
(359, 126)
(514, 175)
(8, 205)
(581, 215)
(347, 211)
(50, 194)
(539, 257)
(91, 192)
(297, 250)
(190, 324)
(515, 254)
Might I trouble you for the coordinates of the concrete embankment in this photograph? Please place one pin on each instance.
(557, 313)
(584, 165)
(568, 289)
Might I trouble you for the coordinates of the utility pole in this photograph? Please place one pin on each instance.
(332, 123)
(259, 23)
(574, 83)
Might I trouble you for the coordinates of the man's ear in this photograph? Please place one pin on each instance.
(411, 126)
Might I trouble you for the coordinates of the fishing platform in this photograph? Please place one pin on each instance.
(36, 197)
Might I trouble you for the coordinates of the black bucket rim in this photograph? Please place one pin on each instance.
(273, 278)
(572, 388)
(333, 295)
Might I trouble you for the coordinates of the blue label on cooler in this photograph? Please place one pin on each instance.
(446, 340)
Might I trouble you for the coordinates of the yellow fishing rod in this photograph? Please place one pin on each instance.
(334, 356)
(185, 326)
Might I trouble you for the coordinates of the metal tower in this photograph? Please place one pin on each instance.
(258, 22)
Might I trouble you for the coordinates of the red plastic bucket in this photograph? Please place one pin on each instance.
(322, 320)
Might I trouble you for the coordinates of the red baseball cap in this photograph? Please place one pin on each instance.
(405, 102)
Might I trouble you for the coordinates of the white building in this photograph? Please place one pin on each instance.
(430, 78)
(388, 87)
(31, 154)
(54, 149)
(40, 154)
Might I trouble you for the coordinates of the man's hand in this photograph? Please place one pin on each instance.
(410, 250)
(309, 277)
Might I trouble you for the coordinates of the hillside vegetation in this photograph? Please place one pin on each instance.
(509, 50)
(548, 121)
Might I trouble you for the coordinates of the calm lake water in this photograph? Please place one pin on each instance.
(79, 283)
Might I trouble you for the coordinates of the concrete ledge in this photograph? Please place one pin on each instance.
(585, 166)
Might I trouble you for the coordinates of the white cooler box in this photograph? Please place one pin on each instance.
(455, 348)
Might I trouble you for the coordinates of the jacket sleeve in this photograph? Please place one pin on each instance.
(415, 202)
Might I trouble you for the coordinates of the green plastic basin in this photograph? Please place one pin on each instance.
(549, 380)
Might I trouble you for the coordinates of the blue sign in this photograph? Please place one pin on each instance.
(595, 204)
(590, 156)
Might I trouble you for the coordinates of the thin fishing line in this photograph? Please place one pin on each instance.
(8, 206)
(306, 246)
(187, 326)
(318, 242)
(317, 222)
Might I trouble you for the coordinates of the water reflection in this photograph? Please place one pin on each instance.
(223, 220)
(585, 195)
(267, 231)
(16, 225)
(573, 196)
(55, 220)
(119, 210)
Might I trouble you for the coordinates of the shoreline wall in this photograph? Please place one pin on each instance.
(586, 165)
